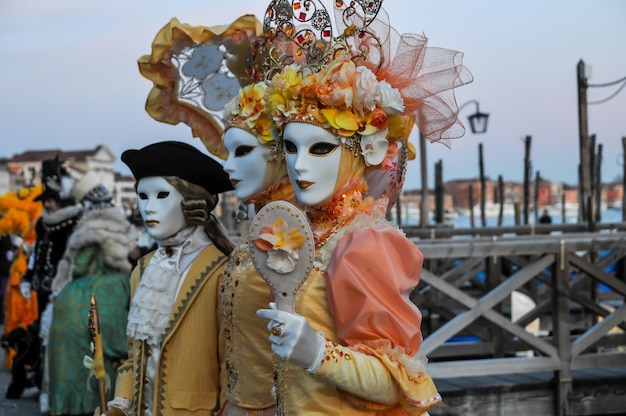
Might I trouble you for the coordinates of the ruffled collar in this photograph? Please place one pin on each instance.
(349, 201)
(280, 191)
(183, 246)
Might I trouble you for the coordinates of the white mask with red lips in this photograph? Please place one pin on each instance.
(313, 156)
(246, 164)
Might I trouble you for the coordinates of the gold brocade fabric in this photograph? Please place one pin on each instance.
(162, 103)
(187, 377)
(297, 390)
(248, 350)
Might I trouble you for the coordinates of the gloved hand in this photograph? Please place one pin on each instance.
(25, 290)
(111, 411)
(293, 338)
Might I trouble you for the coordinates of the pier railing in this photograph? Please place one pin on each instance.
(496, 305)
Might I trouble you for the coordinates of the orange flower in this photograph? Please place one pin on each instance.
(379, 119)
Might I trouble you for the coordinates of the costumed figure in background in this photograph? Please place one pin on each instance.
(61, 213)
(19, 212)
(173, 322)
(351, 344)
(7, 253)
(95, 262)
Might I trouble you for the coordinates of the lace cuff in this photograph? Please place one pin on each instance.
(121, 403)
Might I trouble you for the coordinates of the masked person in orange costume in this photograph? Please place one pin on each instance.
(352, 345)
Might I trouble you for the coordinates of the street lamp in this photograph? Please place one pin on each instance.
(478, 121)
(478, 124)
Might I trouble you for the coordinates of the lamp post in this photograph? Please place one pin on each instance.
(478, 124)
(478, 121)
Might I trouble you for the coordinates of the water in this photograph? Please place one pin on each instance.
(463, 220)
(606, 216)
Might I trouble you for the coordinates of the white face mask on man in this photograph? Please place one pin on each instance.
(313, 156)
(160, 207)
(246, 164)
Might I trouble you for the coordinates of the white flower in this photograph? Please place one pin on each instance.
(374, 147)
(390, 99)
(231, 108)
(365, 90)
(282, 261)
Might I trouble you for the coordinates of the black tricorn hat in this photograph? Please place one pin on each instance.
(51, 171)
(53, 168)
(172, 158)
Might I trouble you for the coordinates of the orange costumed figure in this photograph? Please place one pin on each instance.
(18, 215)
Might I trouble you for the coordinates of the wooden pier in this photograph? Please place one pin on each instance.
(525, 322)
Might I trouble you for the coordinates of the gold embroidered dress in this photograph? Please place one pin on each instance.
(248, 366)
(357, 296)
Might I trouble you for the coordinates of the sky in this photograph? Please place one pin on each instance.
(69, 77)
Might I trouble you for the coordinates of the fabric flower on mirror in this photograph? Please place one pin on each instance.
(281, 245)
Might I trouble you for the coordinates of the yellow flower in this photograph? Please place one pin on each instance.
(263, 127)
(288, 82)
(248, 111)
(251, 100)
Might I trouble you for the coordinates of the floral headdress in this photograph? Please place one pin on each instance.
(248, 111)
(344, 98)
(369, 85)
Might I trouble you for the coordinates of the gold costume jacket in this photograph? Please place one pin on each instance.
(187, 377)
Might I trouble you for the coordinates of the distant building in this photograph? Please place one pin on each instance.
(5, 177)
(124, 191)
(570, 194)
(613, 194)
(549, 193)
(460, 191)
(24, 169)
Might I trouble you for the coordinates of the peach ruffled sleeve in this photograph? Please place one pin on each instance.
(370, 279)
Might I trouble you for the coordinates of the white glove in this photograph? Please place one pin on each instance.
(293, 338)
(25, 290)
(45, 321)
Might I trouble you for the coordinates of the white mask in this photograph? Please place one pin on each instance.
(160, 207)
(246, 165)
(313, 155)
